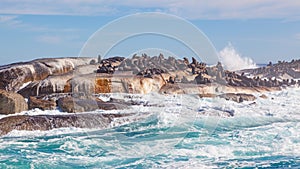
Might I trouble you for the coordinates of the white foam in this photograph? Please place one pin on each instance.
(268, 128)
(36, 112)
(233, 61)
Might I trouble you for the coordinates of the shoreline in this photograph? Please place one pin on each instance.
(72, 84)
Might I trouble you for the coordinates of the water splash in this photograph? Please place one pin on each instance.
(232, 60)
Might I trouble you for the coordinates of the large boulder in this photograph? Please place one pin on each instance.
(238, 97)
(48, 122)
(74, 105)
(11, 103)
(34, 102)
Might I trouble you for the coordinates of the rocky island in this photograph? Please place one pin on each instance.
(74, 85)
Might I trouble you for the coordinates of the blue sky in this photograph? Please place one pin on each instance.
(261, 29)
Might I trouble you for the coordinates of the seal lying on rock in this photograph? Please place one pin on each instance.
(150, 72)
(109, 65)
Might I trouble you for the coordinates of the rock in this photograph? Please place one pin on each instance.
(48, 122)
(11, 103)
(55, 83)
(29, 90)
(170, 88)
(74, 105)
(239, 97)
(280, 70)
(119, 83)
(34, 102)
(207, 95)
(263, 96)
(13, 76)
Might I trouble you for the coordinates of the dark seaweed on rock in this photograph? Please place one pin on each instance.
(48, 122)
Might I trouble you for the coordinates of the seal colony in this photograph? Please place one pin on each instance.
(74, 84)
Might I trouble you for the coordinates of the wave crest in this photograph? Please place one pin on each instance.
(232, 60)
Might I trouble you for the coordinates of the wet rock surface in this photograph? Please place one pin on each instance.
(70, 84)
(34, 102)
(239, 97)
(11, 103)
(13, 76)
(75, 105)
(48, 122)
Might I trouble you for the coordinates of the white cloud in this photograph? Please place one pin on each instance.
(55, 7)
(192, 9)
(7, 18)
(10, 20)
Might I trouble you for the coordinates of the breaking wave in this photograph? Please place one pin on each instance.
(232, 60)
(264, 134)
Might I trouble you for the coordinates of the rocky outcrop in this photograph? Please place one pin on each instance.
(105, 83)
(13, 76)
(75, 105)
(48, 122)
(136, 75)
(283, 71)
(11, 103)
(56, 83)
(239, 97)
(263, 96)
(71, 84)
(34, 102)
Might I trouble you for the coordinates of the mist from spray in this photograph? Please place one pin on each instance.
(232, 60)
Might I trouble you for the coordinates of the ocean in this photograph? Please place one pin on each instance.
(178, 131)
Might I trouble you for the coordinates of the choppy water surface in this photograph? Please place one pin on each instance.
(187, 132)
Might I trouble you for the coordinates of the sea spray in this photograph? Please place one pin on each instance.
(232, 60)
(262, 135)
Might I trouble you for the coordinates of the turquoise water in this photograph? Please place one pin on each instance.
(266, 135)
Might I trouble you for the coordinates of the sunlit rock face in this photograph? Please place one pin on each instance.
(11, 103)
(105, 83)
(13, 76)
